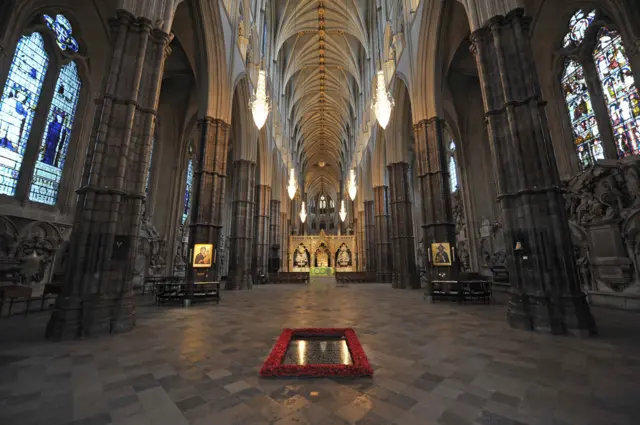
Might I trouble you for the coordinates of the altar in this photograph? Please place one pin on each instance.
(321, 271)
(322, 254)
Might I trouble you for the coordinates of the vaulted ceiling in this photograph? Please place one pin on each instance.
(322, 44)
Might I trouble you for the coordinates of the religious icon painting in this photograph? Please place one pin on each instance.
(203, 255)
(441, 254)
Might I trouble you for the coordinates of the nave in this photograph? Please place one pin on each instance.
(434, 364)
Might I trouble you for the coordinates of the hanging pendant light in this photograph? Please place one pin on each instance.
(303, 213)
(353, 189)
(383, 102)
(292, 184)
(260, 101)
(343, 211)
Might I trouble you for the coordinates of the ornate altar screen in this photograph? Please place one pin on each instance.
(322, 254)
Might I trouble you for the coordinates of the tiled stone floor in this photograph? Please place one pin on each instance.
(434, 364)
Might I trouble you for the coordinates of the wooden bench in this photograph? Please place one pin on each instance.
(469, 286)
(15, 292)
(289, 277)
(355, 277)
(179, 291)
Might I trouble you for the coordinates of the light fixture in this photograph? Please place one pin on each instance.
(303, 213)
(383, 102)
(292, 184)
(343, 211)
(353, 189)
(260, 101)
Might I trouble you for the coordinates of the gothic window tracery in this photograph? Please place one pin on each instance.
(620, 91)
(18, 106)
(586, 134)
(608, 64)
(187, 191)
(453, 172)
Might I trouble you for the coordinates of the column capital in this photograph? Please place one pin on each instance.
(219, 122)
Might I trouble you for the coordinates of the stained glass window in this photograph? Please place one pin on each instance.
(153, 145)
(620, 91)
(55, 143)
(586, 134)
(453, 172)
(187, 192)
(62, 29)
(18, 105)
(577, 28)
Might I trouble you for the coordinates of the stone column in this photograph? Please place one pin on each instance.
(263, 205)
(274, 232)
(284, 234)
(403, 250)
(209, 183)
(369, 230)
(545, 291)
(97, 294)
(433, 179)
(241, 240)
(383, 243)
(362, 262)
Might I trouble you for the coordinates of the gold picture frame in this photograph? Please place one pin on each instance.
(202, 255)
(441, 254)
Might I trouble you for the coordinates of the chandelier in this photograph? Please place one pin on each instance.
(292, 183)
(343, 211)
(382, 102)
(303, 213)
(260, 101)
(353, 189)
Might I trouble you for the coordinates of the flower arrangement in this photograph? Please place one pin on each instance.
(274, 367)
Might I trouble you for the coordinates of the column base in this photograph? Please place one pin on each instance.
(238, 282)
(566, 315)
(92, 316)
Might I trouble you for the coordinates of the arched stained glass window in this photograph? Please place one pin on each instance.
(17, 107)
(577, 28)
(187, 192)
(55, 143)
(453, 172)
(586, 134)
(153, 145)
(620, 91)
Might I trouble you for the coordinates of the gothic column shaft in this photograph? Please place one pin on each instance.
(433, 177)
(284, 234)
(383, 243)
(209, 183)
(241, 240)
(546, 295)
(370, 229)
(263, 207)
(404, 265)
(362, 262)
(274, 231)
(97, 295)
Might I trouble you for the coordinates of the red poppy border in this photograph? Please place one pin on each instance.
(273, 366)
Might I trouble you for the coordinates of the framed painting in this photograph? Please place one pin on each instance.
(441, 254)
(202, 255)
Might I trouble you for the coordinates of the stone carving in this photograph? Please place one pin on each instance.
(180, 258)
(28, 251)
(603, 205)
(151, 256)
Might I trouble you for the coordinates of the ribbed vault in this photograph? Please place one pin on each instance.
(321, 44)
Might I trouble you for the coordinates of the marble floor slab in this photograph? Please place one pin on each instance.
(439, 363)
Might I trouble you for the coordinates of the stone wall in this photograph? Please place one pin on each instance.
(603, 204)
